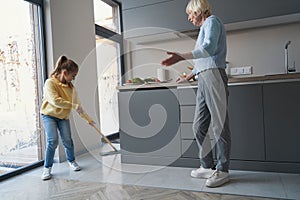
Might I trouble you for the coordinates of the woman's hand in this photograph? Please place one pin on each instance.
(185, 79)
(181, 80)
(175, 58)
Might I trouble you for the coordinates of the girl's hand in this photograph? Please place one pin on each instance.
(80, 110)
(175, 57)
(92, 123)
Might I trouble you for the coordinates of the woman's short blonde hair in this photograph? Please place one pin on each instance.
(199, 7)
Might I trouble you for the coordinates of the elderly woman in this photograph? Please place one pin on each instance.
(211, 117)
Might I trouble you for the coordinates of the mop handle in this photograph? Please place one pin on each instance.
(85, 116)
(105, 138)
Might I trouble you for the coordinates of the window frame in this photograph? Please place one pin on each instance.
(43, 74)
(114, 36)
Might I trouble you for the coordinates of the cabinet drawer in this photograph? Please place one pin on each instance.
(187, 96)
(187, 131)
(187, 113)
(189, 149)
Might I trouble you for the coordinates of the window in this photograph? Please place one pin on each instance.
(109, 47)
(106, 15)
(107, 67)
(20, 82)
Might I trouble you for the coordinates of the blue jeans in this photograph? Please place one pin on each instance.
(211, 123)
(52, 125)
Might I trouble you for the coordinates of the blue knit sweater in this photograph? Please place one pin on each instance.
(210, 49)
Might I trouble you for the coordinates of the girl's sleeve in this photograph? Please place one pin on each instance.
(51, 95)
(210, 44)
(76, 102)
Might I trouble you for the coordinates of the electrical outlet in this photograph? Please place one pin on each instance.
(236, 71)
(241, 70)
(247, 70)
(233, 71)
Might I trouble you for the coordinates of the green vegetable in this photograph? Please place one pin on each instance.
(137, 80)
(149, 79)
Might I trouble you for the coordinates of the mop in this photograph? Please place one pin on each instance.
(115, 151)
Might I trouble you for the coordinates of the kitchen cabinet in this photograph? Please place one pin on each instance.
(231, 11)
(161, 17)
(170, 15)
(281, 118)
(245, 108)
(130, 4)
(191, 149)
(149, 126)
(187, 102)
(263, 116)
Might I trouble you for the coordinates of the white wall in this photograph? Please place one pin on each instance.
(261, 48)
(145, 59)
(70, 30)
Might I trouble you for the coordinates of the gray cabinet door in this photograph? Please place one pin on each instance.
(187, 96)
(231, 11)
(187, 131)
(187, 113)
(149, 123)
(167, 16)
(246, 122)
(170, 14)
(282, 121)
(190, 149)
(130, 4)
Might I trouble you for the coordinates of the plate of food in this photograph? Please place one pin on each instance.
(151, 80)
(135, 81)
(140, 81)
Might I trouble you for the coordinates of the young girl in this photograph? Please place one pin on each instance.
(59, 98)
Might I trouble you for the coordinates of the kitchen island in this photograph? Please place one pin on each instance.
(264, 112)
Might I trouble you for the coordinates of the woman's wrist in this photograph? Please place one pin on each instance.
(187, 56)
(189, 77)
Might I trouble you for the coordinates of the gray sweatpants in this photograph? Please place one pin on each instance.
(211, 124)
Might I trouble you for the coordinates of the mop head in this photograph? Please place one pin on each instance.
(107, 153)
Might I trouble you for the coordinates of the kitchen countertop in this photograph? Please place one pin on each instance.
(272, 77)
(231, 81)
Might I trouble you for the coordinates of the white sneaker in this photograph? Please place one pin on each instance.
(74, 166)
(218, 178)
(46, 174)
(201, 173)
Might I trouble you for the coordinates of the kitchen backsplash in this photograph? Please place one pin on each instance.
(260, 48)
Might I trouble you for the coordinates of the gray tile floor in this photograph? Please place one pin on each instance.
(109, 170)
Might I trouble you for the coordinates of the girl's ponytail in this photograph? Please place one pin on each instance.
(64, 63)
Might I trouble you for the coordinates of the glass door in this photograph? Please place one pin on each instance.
(108, 79)
(109, 62)
(20, 83)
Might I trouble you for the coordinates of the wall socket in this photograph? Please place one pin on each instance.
(246, 70)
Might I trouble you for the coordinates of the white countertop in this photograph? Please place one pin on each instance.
(275, 78)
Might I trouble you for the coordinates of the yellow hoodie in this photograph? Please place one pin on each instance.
(59, 99)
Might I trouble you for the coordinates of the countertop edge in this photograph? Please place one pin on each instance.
(232, 81)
